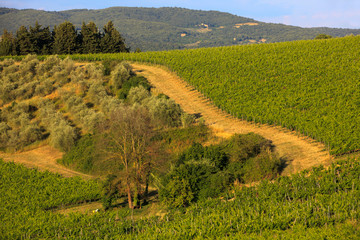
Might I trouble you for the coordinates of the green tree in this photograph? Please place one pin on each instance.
(41, 39)
(65, 38)
(112, 41)
(7, 44)
(90, 38)
(24, 45)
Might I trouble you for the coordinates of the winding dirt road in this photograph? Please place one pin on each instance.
(300, 152)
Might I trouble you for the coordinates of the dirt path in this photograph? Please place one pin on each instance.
(300, 152)
(44, 158)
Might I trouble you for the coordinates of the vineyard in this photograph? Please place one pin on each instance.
(312, 86)
(312, 204)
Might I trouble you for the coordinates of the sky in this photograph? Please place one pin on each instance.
(303, 13)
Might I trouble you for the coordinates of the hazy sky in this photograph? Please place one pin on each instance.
(305, 13)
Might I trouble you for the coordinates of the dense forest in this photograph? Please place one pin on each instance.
(170, 28)
(64, 39)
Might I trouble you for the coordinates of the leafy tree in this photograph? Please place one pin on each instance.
(65, 38)
(7, 44)
(112, 41)
(90, 38)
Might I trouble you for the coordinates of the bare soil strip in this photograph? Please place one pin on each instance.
(43, 158)
(300, 152)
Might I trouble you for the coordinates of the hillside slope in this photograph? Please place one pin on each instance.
(170, 28)
(299, 152)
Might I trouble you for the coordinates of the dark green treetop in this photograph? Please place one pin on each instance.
(112, 41)
(65, 38)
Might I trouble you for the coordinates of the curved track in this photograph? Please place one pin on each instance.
(300, 152)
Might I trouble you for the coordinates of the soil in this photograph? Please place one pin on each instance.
(43, 158)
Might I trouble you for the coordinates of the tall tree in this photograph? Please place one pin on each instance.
(65, 38)
(125, 138)
(90, 38)
(41, 39)
(24, 45)
(112, 41)
(7, 44)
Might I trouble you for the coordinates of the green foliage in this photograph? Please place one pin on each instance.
(209, 171)
(130, 85)
(65, 38)
(7, 44)
(241, 147)
(62, 136)
(110, 191)
(112, 41)
(323, 36)
(120, 74)
(81, 155)
(90, 37)
(266, 165)
(187, 119)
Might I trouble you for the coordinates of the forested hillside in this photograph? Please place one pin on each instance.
(170, 28)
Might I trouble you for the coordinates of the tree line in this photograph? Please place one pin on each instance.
(63, 39)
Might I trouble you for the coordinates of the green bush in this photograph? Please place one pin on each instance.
(120, 74)
(81, 155)
(135, 95)
(62, 136)
(265, 165)
(244, 146)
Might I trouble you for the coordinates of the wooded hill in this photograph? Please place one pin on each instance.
(170, 28)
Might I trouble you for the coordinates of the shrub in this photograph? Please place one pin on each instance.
(96, 92)
(62, 136)
(131, 83)
(29, 65)
(48, 65)
(67, 65)
(95, 71)
(164, 111)
(138, 95)
(120, 74)
(244, 146)
(177, 193)
(4, 134)
(81, 155)
(265, 165)
(187, 119)
(29, 134)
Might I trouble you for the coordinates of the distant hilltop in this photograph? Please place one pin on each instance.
(170, 28)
